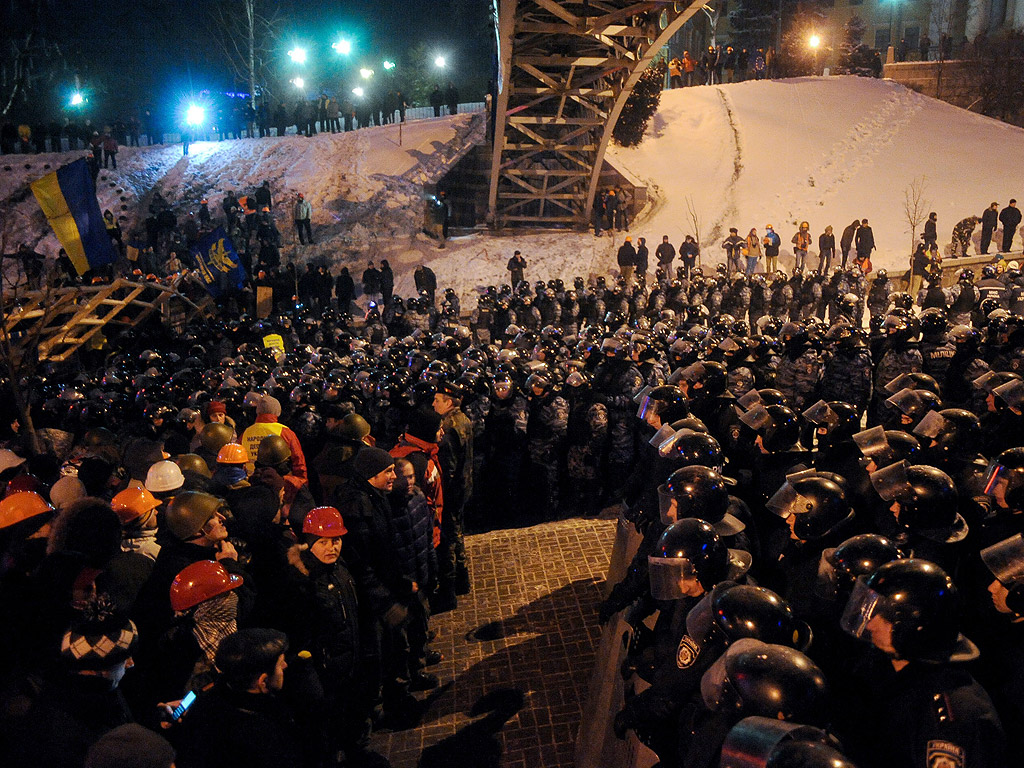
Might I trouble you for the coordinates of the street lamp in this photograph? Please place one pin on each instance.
(365, 73)
(814, 41)
(77, 99)
(297, 55)
(440, 62)
(344, 47)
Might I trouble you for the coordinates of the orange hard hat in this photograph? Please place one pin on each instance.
(21, 506)
(198, 582)
(232, 453)
(133, 502)
(324, 522)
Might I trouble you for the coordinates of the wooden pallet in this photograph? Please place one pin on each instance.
(60, 321)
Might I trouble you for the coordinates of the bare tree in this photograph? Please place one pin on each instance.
(29, 61)
(246, 33)
(694, 215)
(915, 207)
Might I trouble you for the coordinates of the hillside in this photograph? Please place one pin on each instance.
(827, 150)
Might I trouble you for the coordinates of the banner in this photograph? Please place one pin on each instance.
(218, 263)
(68, 199)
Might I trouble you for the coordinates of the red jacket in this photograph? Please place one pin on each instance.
(431, 485)
(298, 477)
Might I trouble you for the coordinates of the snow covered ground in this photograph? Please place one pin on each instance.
(827, 150)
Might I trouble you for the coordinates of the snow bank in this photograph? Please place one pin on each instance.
(827, 150)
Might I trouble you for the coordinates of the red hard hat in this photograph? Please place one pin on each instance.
(199, 582)
(25, 482)
(324, 522)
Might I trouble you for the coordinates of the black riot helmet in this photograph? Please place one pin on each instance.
(699, 492)
(704, 378)
(918, 600)
(927, 500)
(667, 402)
(913, 380)
(860, 555)
(688, 551)
(954, 432)
(744, 610)
(777, 426)
(1005, 477)
(762, 742)
(933, 321)
(690, 447)
(908, 406)
(819, 505)
(1005, 561)
(757, 678)
(834, 420)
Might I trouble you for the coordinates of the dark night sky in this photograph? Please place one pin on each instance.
(131, 50)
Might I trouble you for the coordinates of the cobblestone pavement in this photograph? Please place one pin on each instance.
(527, 633)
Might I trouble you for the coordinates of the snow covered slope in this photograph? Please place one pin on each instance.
(827, 150)
(824, 150)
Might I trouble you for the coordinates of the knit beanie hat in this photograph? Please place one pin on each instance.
(268, 404)
(423, 424)
(215, 406)
(130, 746)
(371, 461)
(98, 645)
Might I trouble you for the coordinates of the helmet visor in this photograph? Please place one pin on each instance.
(864, 604)
(693, 372)
(728, 345)
(700, 620)
(641, 396)
(1005, 560)
(787, 501)
(664, 434)
(987, 381)
(873, 443)
(905, 401)
(668, 576)
(903, 381)
(749, 400)
(993, 475)
(891, 482)
(931, 425)
(1011, 393)
(715, 688)
(821, 415)
(667, 506)
(757, 418)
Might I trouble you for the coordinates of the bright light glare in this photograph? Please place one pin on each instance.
(358, 91)
(344, 47)
(298, 55)
(440, 62)
(389, 65)
(814, 41)
(76, 99)
(366, 73)
(195, 115)
(299, 83)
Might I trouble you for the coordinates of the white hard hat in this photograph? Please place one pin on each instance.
(9, 459)
(67, 490)
(164, 476)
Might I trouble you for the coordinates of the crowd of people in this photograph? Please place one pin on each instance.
(230, 117)
(266, 513)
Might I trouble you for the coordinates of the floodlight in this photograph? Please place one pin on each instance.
(77, 100)
(344, 47)
(358, 91)
(440, 62)
(299, 83)
(389, 65)
(298, 55)
(365, 73)
(195, 115)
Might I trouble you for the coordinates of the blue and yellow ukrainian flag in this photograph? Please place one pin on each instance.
(68, 198)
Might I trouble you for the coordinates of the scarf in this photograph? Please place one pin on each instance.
(215, 619)
(230, 474)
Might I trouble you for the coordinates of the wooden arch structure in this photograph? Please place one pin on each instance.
(566, 68)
